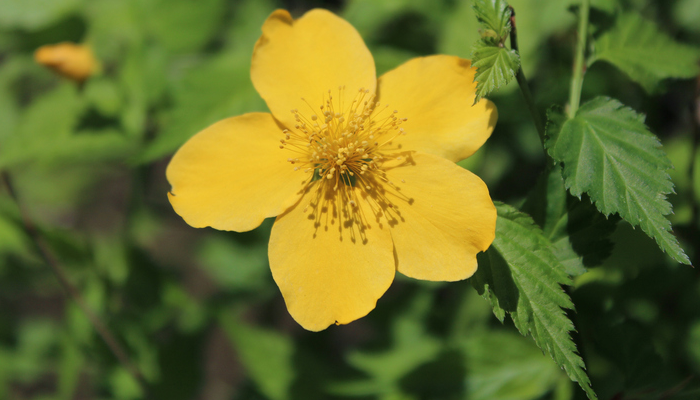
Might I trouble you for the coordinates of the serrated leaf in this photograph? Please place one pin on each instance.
(607, 152)
(494, 18)
(523, 274)
(496, 66)
(642, 51)
(578, 232)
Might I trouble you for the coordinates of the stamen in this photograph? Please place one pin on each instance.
(347, 143)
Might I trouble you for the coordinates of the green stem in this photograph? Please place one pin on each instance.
(579, 60)
(522, 81)
(51, 260)
(536, 117)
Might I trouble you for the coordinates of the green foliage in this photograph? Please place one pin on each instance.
(494, 17)
(267, 355)
(645, 53)
(225, 80)
(34, 14)
(496, 65)
(201, 19)
(521, 275)
(235, 265)
(529, 374)
(578, 232)
(609, 153)
(412, 347)
(198, 312)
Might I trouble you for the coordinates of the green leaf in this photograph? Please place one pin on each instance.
(642, 51)
(496, 66)
(371, 18)
(608, 153)
(201, 19)
(104, 95)
(506, 366)
(83, 147)
(13, 238)
(521, 275)
(411, 347)
(578, 232)
(34, 14)
(266, 355)
(71, 364)
(235, 266)
(217, 89)
(123, 384)
(494, 18)
(45, 134)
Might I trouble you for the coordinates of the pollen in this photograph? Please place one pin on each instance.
(343, 147)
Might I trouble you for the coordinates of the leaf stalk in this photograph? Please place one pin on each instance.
(579, 60)
(522, 81)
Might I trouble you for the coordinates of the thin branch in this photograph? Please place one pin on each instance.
(522, 81)
(51, 260)
(579, 60)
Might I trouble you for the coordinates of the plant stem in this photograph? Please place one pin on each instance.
(51, 260)
(695, 118)
(579, 60)
(522, 81)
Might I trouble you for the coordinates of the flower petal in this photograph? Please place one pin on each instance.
(305, 58)
(330, 270)
(436, 95)
(232, 175)
(445, 217)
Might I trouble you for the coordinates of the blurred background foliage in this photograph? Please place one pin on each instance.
(197, 310)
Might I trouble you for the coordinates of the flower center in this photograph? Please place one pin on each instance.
(344, 146)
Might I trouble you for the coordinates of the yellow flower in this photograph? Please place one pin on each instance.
(359, 171)
(73, 61)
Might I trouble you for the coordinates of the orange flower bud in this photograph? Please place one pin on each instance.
(73, 61)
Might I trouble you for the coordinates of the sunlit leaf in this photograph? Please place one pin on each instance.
(520, 275)
(104, 95)
(494, 18)
(124, 385)
(371, 17)
(79, 148)
(609, 153)
(496, 66)
(645, 53)
(13, 238)
(34, 14)
(183, 25)
(216, 89)
(45, 134)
